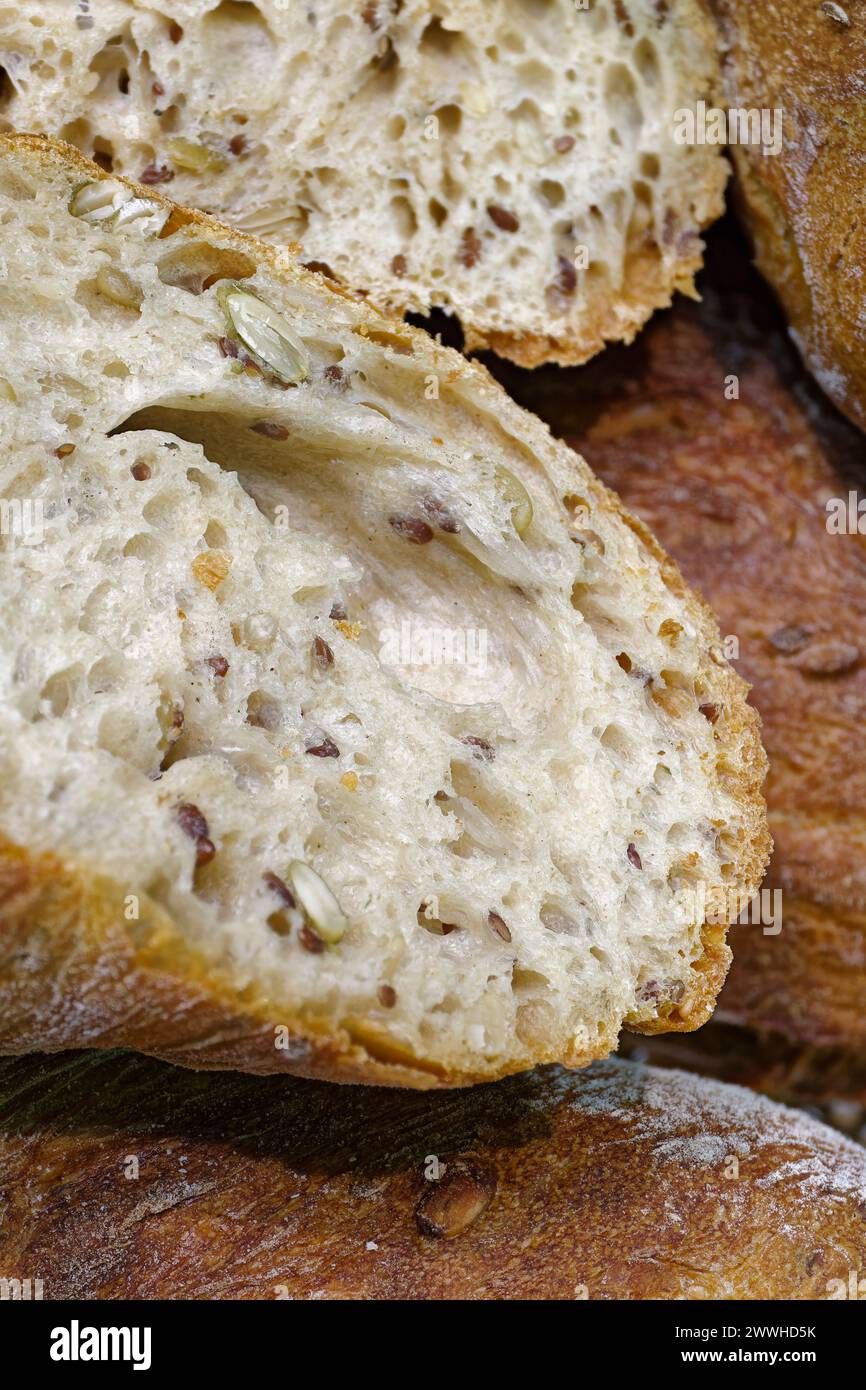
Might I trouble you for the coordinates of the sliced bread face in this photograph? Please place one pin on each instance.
(347, 722)
(513, 162)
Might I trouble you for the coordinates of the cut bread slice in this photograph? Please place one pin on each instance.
(512, 162)
(348, 723)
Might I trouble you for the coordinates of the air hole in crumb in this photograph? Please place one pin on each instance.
(433, 924)
(263, 711)
(196, 267)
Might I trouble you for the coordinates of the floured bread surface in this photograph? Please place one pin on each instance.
(511, 160)
(246, 508)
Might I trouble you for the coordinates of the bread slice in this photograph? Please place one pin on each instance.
(740, 491)
(514, 163)
(348, 723)
(620, 1182)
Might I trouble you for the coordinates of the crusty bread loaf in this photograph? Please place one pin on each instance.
(124, 1178)
(514, 163)
(737, 489)
(805, 206)
(238, 829)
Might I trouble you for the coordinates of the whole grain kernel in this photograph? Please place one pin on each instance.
(194, 824)
(350, 781)
(310, 940)
(238, 144)
(498, 925)
(336, 377)
(470, 248)
(338, 612)
(156, 173)
(709, 711)
(439, 514)
(563, 143)
(270, 430)
(140, 472)
(218, 665)
(387, 996)
(667, 991)
(398, 265)
(64, 451)
(565, 280)
(506, 221)
(633, 857)
(411, 529)
(460, 1197)
(481, 749)
(323, 656)
(282, 890)
(325, 749)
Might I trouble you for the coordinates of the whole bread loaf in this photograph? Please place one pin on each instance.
(514, 163)
(712, 429)
(805, 65)
(127, 1179)
(242, 826)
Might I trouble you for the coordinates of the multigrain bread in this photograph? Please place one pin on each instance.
(738, 488)
(239, 831)
(806, 206)
(127, 1179)
(512, 162)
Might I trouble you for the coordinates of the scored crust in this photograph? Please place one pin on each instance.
(73, 973)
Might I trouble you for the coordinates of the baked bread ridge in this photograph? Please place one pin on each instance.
(212, 991)
(274, 116)
(739, 490)
(804, 207)
(126, 1179)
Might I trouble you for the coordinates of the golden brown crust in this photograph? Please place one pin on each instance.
(650, 287)
(805, 206)
(70, 964)
(123, 1178)
(736, 488)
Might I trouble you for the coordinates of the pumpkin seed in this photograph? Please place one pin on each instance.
(265, 334)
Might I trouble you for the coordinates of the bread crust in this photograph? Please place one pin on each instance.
(73, 973)
(805, 206)
(126, 1179)
(736, 488)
